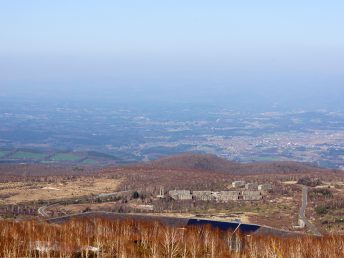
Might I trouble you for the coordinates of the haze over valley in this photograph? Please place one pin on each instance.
(139, 132)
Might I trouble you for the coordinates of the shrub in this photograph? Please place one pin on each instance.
(135, 195)
(320, 210)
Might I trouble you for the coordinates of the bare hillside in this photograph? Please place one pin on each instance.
(213, 163)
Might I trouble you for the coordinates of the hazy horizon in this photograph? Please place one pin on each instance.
(289, 55)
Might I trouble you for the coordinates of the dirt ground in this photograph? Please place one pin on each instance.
(18, 192)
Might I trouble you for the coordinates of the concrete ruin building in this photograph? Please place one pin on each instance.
(264, 187)
(180, 194)
(222, 196)
(237, 184)
(161, 194)
(225, 196)
(251, 195)
(251, 186)
(203, 195)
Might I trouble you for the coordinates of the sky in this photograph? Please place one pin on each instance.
(174, 50)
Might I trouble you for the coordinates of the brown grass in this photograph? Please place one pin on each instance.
(18, 192)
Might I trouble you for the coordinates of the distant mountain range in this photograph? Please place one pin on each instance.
(182, 162)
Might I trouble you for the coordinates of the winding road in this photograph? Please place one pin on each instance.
(42, 212)
(302, 212)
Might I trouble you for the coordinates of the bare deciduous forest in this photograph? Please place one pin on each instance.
(99, 237)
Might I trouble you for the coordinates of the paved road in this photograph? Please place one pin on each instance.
(302, 212)
(42, 212)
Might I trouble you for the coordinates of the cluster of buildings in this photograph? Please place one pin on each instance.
(251, 186)
(246, 192)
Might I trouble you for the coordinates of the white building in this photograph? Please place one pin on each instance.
(237, 184)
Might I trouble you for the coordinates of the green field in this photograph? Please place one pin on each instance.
(65, 157)
(49, 157)
(3, 153)
(89, 161)
(27, 155)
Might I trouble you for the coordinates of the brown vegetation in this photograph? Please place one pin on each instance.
(327, 207)
(25, 188)
(308, 181)
(99, 237)
(216, 164)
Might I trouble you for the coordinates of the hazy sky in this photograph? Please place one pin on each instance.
(195, 49)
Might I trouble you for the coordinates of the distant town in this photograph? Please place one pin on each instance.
(61, 132)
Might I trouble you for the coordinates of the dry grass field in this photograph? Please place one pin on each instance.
(19, 192)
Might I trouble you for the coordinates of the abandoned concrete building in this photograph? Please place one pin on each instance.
(161, 193)
(237, 184)
(222, 196)
(264, 187)
(251, 186)
(180, 194)
(203, 195)
(251, 195)
(225, 196)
